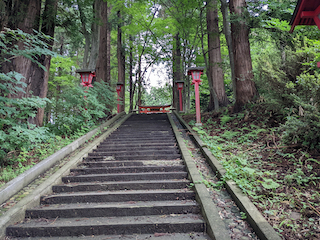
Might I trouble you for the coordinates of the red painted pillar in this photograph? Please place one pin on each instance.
(180, 87)
(118, 105)
(196, 90)
(119, 87)
(196, 72)
(180, 100)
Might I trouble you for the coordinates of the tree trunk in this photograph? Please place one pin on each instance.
(245, 87)
(131, 92)
(86, 35)
(108, 59)
(177, 73)
(121, 63)
(23, 15)
(39, 83)
(102, 64)
(227, 33)
(214, 52)
(98, 25)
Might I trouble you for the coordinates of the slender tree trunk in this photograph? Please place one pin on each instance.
(139, 82)
(227, 33)
(177, 72)
(245, 87)
(213, 101)
(108, 59)
(102, 64)
(214, 53)
(121, 63)
(86, 35)
(131, 73)
(100, 13)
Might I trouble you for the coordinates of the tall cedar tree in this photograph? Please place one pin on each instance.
(121, 63)
(25, 15)
(102, 63)
(177, 72)
(245, 87)
(215, 70)
(40, 77)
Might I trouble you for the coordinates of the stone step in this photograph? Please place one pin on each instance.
(108, 225)
(116, 186)
(134, 148)
(134, 144)
(139, 140)
(82, 171)
(111, 163)
(137, 152)
(119, 196)
(125, 177)
(114, 209)
(130, 157)
(146, 134)
(151, 236)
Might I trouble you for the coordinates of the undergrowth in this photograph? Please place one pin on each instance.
(28, 158)
(281, 180)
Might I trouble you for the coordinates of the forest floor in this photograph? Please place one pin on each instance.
(281, 180)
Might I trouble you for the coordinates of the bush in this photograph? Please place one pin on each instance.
(290, 87)
(303, 125)
(15, 131)
(75, 109)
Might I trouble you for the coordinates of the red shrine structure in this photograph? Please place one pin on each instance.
(307, 12)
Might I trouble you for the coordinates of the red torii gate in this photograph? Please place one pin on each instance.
(307, 12)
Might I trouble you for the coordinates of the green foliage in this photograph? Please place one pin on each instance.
(159, 96)
(289, 84)
(16, 133)
(75, 109)
(33, 45)
(62, 73)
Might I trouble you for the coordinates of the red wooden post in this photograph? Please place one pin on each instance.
(180, 87)
(119, 86)
(196, 72)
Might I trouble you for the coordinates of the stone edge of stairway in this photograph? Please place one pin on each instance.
(17, 212)
(216, 228)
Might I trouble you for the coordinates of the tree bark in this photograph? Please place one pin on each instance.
(39, 83)
(98, 33)
(177, 72)
(216, 74)
(227, 33)
(102, 64)
(245, 87)
(121, 63)
(108, 59)
(131, 92)
(86, 35)
(23, 15)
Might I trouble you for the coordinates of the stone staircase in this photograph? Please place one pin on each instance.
(133, 186)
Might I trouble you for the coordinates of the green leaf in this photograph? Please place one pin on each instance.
(270, 184)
